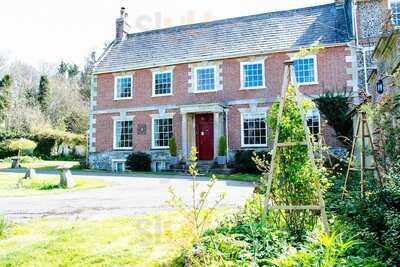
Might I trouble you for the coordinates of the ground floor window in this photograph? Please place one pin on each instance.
(123, 134)
(254, 129)
(118, 165)
(162, 132)
(313, 123)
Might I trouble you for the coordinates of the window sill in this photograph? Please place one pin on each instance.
(250, 146)
(305, 84)
(122, 148)
(208, 91)
(123, 98)
(252, 88)
(162, 95)
(160, 148)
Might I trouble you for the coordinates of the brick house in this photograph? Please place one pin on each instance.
(202, 81)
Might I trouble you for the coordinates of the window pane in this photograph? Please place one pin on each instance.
(205, 79)
(253, 75)
(254, 129)
(313, 121)
(305, 70)
(162, 83)
(123, 134)
(162, 132)
(395, 8)
(124, 87)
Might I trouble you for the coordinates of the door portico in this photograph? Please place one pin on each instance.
(202, 126)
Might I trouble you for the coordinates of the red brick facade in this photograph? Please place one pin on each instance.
(332, 74)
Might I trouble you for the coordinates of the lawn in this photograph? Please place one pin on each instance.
(39, 164)
(41, 184)
(239, 177)
(151, 240)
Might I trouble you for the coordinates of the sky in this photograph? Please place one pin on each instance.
(51, 31)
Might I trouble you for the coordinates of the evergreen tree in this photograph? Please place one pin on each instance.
(73, 70)
(86, 75)
(5, 85)
(44, 93)
(62, 68)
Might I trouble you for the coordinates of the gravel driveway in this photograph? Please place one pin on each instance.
(127, 196)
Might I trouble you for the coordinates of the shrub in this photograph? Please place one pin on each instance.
(244, 163)
(3, 226)
(138, 161)
(172, 147)
(222, 146)
(22, 146)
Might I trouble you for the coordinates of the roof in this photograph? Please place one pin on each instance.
(242, 36)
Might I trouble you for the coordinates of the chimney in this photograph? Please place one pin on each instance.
(122, 26)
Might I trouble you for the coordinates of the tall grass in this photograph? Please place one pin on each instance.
(3, 226)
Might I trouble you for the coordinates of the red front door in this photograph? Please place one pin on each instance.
(205, 136)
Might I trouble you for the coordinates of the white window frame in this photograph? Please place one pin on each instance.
(242, 114)
(158, 117)
(309, 113)
(116, 87)
(242, 80)
(314, 57)
(115, 133)
(153, 94)
(115, 161)
(391, 12)
(196, 82)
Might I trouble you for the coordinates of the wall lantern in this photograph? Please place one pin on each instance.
(379, 86)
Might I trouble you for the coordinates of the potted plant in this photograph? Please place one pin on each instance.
(173, 151)
(221, 158)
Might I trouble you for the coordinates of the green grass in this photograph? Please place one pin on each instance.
(239, 177)
(152, 240)
(12, 185)
(38, 164)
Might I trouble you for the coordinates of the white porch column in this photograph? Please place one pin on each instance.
(217, 132)
(184, 134)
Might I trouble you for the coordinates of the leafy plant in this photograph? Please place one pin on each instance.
(172, 147)
(243, 161)
(22, 146)
(4, 225)
(222, 146)
(335, 106)
(294, 177)
(196, 213)
(138, 161)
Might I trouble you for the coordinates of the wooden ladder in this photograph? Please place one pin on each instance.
(365, 133)
(289, 77)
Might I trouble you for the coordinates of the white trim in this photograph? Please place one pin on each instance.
(309, 114)
(158, 117)
(116, 84)
(242, 80)
(256, 111)
(314, 57)
(201, 108)
(154, 83)
(119, 119)
(196, 91)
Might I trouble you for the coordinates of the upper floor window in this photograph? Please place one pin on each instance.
(162, 83)
(306, 70)
(205, 79)
(123, 134)
(313, 122)
(395, 8)
(254, 129)
(252, 75)
(123, 87)
(162, 132)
